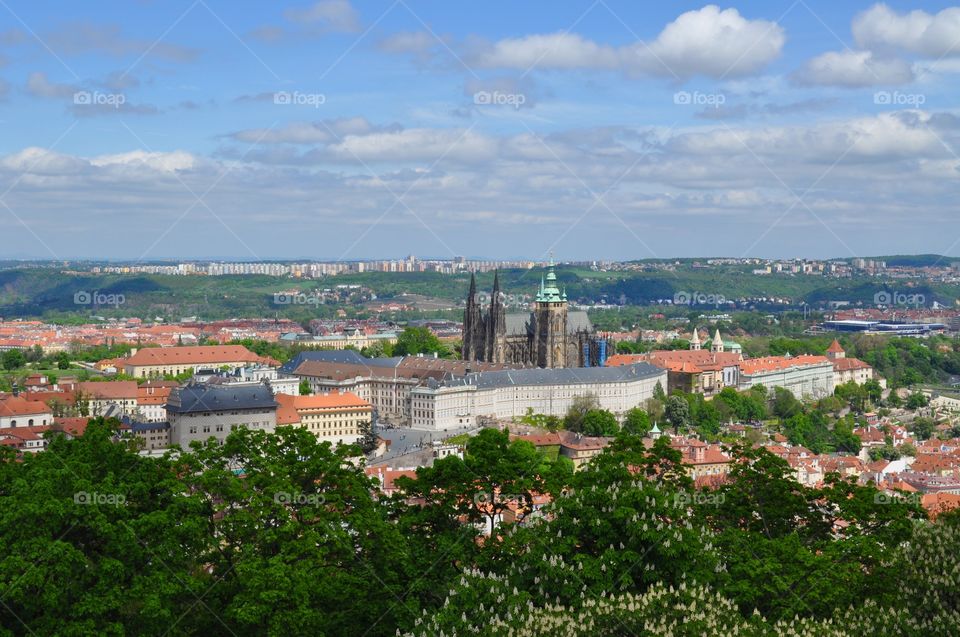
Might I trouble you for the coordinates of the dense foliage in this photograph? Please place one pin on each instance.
(277, 534)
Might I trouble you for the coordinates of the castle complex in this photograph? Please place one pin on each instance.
(551, 336)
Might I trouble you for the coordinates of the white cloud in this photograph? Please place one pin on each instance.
(84, 37)
(884, 137)
(138, 159)
(336, 15)
(563, 51)
(40, 161)
(854, 69)
(321, 132)
(39, 86)
(713, 42)
(708, 41)
(416, 144)
(895, 174)
(882, 28)
(416, 42)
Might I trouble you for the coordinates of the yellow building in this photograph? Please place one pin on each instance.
(339, 418)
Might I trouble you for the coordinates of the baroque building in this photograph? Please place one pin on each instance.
(551, 336)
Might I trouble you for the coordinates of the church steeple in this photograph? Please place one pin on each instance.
(717, 345)
(549, 292)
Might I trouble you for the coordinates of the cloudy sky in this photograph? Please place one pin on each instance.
(596, 130)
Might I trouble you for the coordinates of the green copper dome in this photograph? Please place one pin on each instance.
(549, 292)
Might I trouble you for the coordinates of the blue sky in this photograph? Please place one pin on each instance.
(595, 130)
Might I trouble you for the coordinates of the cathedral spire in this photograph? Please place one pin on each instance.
(496, 286)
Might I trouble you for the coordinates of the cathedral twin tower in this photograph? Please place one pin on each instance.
(550, 336)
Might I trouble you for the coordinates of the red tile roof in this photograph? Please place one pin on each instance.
(18, 406)
(753, 366)
(329, 401)
(110, 390)
(195, 355)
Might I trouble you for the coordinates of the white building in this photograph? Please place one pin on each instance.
(457, 402)
(201, 411)
(804, 375)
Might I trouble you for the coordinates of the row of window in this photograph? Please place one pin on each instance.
(30, 423)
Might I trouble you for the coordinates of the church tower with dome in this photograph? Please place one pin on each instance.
(550, 336)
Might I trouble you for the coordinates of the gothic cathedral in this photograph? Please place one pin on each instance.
(550, 336)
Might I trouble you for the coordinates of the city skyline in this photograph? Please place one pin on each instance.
(594, 130)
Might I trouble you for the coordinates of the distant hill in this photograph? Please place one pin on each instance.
(917, 260)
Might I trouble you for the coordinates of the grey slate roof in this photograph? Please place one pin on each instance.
(201, 397)
(567, 376)
(519, 324)
(347, 356)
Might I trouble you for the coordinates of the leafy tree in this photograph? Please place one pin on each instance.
(637, 422)
(305, 389)
(494, 475)
(923, 427)
(368, 437)
(419, 340)
(599, 422)
(541, 421)
(785, 404)
(677, 411)
(579, 408)
(658, 393)
(916, 400)
(13, 359)
(874, 390)
(63, 360)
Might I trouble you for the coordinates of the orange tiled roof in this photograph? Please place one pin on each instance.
(847, 364)
(329, 401)
(286, 409)
(195, 355)
(18, 406)
(110, 390)
(753, 366)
